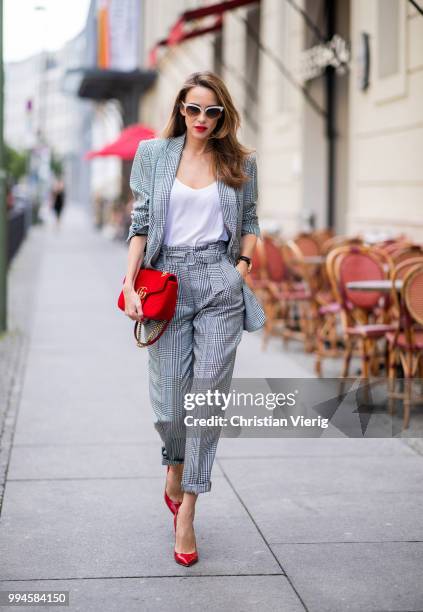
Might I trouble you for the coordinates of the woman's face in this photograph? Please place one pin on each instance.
(200, 126)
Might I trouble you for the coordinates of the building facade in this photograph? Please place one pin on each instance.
(386, 120)
(39, 112)
(338, 126)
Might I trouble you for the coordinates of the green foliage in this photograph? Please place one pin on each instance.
(56, 165)
(16, 163)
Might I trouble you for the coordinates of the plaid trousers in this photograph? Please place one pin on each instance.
(196, 353)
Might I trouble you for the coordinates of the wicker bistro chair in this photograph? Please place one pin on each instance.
(406, 342)
(286, 293)
(322, 236)
(329, 246)
(395, 245)
(328, 339)
(283, 292)
(324, 309)
(405, 253)
(257, 279)
(273, 281)
(299, 297)
(309, 247)
(308, 244)
(275, 270)
(363, 313)
(338, 241)
(398, 273)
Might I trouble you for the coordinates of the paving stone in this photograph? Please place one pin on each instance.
(216, 593)
(366, 577)
(121, 528)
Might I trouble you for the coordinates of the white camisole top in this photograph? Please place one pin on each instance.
(194, 216)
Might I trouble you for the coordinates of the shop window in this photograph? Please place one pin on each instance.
(389, 49)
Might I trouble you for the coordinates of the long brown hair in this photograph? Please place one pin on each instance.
(228, 152)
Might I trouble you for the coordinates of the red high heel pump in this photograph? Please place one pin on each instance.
(172, 505)
(185, 559)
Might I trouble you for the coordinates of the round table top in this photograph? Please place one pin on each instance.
(314, 259)
(374, 285)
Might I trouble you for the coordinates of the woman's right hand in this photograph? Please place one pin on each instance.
(133, 307)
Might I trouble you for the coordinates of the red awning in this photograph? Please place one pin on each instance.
(126, 145)
(179, 33)
(152, 55)
(215, 9)
(215, 27)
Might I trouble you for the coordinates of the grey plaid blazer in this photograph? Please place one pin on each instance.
(152, 176)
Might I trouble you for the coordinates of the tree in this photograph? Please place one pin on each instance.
(56, 165)
(16, 163)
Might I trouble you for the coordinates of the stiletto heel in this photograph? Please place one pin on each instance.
(185, 559)
(172, 505)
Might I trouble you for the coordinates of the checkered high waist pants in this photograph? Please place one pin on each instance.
(196, 353)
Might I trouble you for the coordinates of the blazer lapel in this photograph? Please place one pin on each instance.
(229, 203)
(166, 171)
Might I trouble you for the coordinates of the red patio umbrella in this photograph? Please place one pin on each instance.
(126, 145)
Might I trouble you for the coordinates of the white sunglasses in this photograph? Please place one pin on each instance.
(193, 110)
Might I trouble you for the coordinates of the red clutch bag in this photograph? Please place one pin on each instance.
(158, 293)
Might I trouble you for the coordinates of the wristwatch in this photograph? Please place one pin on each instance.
(247, 259)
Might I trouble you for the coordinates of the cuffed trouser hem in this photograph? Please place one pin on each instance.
(172, 461)
(167, 461)
(201, 488)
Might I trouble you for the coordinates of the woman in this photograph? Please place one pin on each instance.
(195, 216)
(58, 200)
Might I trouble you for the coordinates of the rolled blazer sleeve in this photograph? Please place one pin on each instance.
(250, 223)
(139, 183)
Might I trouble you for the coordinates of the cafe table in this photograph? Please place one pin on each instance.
(314, 259)
(374, 285)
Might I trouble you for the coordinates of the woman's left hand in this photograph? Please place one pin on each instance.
(242, 268)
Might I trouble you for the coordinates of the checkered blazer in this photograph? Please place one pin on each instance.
(152, 176)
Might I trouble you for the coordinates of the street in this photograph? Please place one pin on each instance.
(329, 524)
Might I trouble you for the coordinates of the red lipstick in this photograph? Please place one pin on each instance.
(200, 128)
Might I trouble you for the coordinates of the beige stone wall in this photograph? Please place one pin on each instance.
(234, 64)
(277, 133)
(175, 63)
(379, 181)
(280, 140)
(386, 125)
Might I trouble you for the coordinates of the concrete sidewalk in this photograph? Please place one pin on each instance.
(290, 524)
